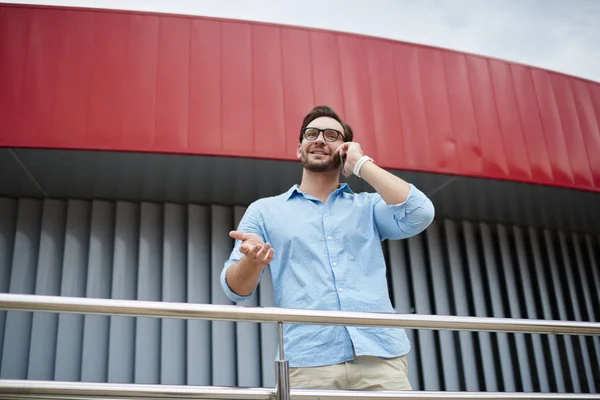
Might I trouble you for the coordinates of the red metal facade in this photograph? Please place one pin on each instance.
(90, 79)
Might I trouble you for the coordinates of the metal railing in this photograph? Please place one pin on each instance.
(21, 389)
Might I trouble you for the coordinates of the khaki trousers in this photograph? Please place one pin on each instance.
(362, 373)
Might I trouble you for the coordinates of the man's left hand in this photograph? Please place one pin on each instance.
(352, 152)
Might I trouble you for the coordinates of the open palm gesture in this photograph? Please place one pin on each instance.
(253, 248)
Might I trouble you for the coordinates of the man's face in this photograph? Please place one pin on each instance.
(317, 155)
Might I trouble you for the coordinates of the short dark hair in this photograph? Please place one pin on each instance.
(325, 111)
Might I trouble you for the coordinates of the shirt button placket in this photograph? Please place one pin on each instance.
(329, 237)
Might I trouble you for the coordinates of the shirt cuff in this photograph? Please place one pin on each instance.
(228, 292)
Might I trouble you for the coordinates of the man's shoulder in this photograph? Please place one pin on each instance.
(361, 196)
(264, 203)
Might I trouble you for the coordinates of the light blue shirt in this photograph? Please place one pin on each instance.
(329, 257)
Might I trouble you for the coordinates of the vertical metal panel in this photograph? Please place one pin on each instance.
(168, 252)
(205, 86)
(198, 291)
(124, 282)
(401, 289)
(106, 84)
(571, 129)
(44, 325)
(460, 295)
(297, 95)
(8, 220)
(326, 76)
(524, 276)
(593, 252)
(560, 312)
(140, 71)
(590, 125)
(488, 127)
(270, 135)
(17, 333)
(70, 117)
(14, 41)
(74, 274)
(484, 351)
(247, 337)
(149, 287)
(425, 341)
(595, 97)
(509, 120)
(356, 87)
(574, 314)
(223, 332)
(594, 114)
(410, 100)
(41, 67)
(561, 165)
(172, 83)
(543, 290)
(592, 277)
(96, 328)
(236, 88)
(384, 102)
(496, 304)
(463, 114)
(526, 100)
(174, 290)
(437, 109)
(268, 332)
(523, 373)
(439, 274)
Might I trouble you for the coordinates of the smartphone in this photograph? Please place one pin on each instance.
(343, 161)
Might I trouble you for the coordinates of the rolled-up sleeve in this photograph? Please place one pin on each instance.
(250, 223)
(400, 221)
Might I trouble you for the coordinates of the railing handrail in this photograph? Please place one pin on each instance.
(20, 389)
(156, 309)
(28, 389)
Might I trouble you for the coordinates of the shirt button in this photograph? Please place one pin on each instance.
(340, 290)
(327, 215)
(334, 264)
(328, 237)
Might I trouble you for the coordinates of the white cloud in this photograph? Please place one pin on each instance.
(557, 35)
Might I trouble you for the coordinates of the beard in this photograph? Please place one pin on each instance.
(319, 165)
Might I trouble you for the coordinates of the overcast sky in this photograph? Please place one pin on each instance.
(560, 35)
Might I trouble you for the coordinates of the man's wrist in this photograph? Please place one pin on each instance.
(251, 264)
(359, 164)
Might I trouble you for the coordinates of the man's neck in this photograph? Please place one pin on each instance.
(320, 184)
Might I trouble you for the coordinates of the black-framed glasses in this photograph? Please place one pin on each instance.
(329, 134)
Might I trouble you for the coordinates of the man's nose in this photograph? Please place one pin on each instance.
(320, 138)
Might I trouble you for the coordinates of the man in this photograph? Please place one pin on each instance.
(322, 243)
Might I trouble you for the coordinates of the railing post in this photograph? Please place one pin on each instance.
(282, 370)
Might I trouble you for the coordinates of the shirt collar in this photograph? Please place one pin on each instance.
(344, 187)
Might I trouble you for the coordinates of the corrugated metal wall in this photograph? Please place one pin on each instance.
(175, 252)
(132, 81)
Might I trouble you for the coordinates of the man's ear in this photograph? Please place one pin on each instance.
(298, 153)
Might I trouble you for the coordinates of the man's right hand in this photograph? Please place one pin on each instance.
(256, 252)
